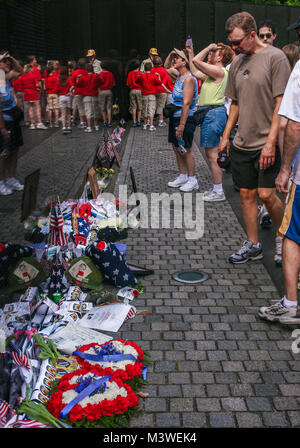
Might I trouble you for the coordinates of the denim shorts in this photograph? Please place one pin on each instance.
(290, 226)
(213, 127)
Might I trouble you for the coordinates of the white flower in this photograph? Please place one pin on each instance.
(112, 392)
(116, 365)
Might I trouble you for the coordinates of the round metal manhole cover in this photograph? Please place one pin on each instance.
(190, 276)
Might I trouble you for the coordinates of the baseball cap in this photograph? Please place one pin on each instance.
(153, 51)
(83, 272)
(3, 56)
(27, 271)
(294, 26)
(91, 52)
(181, 54)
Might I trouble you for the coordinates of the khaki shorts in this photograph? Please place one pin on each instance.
(135, 98)
(161, 99)
(52, 101)
(79, 104)
(64, 101)
(91, 106)
(149, 105)
(105, 98)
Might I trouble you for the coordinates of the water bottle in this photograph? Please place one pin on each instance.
(181, 147)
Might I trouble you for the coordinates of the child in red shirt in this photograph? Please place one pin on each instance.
(63, 89)
(135, 94)
(79, 71)
(89, 84)
(149, 82)
(105, 97)
(50, 81)
(28, 83)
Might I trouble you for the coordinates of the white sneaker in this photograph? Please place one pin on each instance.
(32, 126)
(144, 127)
(152, 128)
(14, 184)
(81, 125)
(97, 128)
(162, 124)
(178, 182)
(4, 189)
(190, 185)
(41, 126)
(279, 313)
(88, 129)
(213, 196)
(64, 130)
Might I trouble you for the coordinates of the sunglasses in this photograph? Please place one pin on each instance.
(267, 35)
(236, 43)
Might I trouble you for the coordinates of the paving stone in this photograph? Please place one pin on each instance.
(167, 419)
(194, 420)
(155, 404)
(285, 403)
(217, 390)
(181, 405)
(233, 404)
(258, 404)
(295, 418)
(248, 420)
(222, 420)
(169, 391)
(208, 404)
(275, 419)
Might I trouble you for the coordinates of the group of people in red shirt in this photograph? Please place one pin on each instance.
(65, 89)
(150, 89)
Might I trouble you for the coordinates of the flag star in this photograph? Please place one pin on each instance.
(114, 253)
(51, 285)
(116, 272)
(125, 276)
(106, 264)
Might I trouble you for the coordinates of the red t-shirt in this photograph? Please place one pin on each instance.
(148, 83)
(50, 83)
(37, 73)
(88, 84)
(107, 80)
(28, 84)
(131, 80)
(17, 84)
(74, 79)
(164, 77)
(63, 89)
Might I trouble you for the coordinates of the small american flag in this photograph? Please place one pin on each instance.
(18, 356)
(131, 314)
(4, 408)
(57, 235)
(19, 421)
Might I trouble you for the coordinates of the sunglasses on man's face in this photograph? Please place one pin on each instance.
(236, 43)
(267, 35)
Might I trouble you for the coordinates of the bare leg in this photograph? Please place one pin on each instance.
(249, 211)
(139, 114)
(108, 116)
(216, 171)
(291, 267)
(56, 115)
(63, 116)
(273, 204)
(38, 111)
(133, 112)
(30, 113)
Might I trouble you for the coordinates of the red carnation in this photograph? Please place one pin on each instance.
(101, 245)
(2, 247)
(135, 292)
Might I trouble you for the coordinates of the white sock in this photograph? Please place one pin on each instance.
(183, 176)
(289, 303)
(257, 245)
(218, 188)
(192, 178)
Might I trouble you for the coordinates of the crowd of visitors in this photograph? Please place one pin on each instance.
(236, 91)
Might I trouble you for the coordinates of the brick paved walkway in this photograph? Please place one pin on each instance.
(215, 363)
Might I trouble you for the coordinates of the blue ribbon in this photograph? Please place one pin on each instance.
(144, 372)
(85, 393)
(104, 358)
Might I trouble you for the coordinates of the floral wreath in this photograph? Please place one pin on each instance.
(87, 395)
(117, 358)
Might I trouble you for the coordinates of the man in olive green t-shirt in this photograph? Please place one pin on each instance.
(256, 83)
